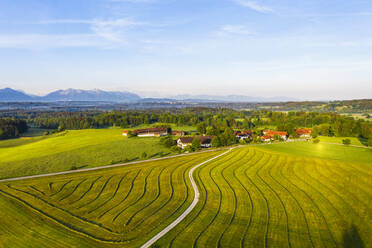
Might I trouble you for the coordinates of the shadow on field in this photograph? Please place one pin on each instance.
(351, 238)
(363, 141)
(154, 155)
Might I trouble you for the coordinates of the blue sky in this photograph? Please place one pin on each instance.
(304, 49)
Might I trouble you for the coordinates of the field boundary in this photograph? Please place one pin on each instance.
(190, 208)
(106, 166)
(137, 162)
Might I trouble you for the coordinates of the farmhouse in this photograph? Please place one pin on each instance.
(125, 133)
(151, 132)
(244, 134)
(178, 133)
(205, 141)
(272, 134)
(303, 132)
(266, 138)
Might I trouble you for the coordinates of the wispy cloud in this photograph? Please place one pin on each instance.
(101, 33)
(254, 6)
(234, 30)
(38, 41)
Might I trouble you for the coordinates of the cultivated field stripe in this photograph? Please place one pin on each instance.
(295, 199)
(116, 190)
(188, 210)
(139, 198)
(217, 165)
(125, 197)
(75, 188)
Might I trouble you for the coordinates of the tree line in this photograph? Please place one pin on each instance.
(12, 128)
(211, 121)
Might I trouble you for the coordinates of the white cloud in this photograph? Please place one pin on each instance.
(254, 6)
(234, 30)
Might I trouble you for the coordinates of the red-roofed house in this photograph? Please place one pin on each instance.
(273, 133)
(303, 132)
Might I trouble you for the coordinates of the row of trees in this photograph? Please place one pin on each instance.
(207, 120)
(12, 128)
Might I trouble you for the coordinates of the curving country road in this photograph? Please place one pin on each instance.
(189, 209)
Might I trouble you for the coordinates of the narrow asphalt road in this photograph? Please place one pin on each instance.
(189, 209)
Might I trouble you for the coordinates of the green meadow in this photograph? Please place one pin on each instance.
(323, 150)
(73, 148)
(254, 196)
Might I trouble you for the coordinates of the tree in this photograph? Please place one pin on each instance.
(216, 142)
(167, 141)
(346, 141)
(229, 137)
(201, 128)
(195, 144)
(212, 131)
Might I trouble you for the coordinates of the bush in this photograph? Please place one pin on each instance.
(74, 167)
(346, 141)
(144, 155)
(176, 149)
(316, 141)
(167, 141)
(131, 134)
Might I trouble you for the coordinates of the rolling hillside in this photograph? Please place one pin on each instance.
(250, 197)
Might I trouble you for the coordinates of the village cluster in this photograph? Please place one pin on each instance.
(206, 140)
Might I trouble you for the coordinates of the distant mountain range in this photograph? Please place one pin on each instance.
(11, 95)
(234, 98)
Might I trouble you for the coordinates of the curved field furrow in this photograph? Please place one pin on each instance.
(352, 182)
(237, 204)
(356, 212)
(277, 196)
(313, 206)
(135, 226)
(63, 210)
(111, 197)
(87, 191)
(149, 203)
(62, 187)
(219, 201)
(75, 188)
(295, 201)
(249, 197)
(332, 193)
(179, 238)
(124, 198)
(255, 233)
(98, 195)
(37, 190)
(66, 224)
(136, 200)
(330, 212)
